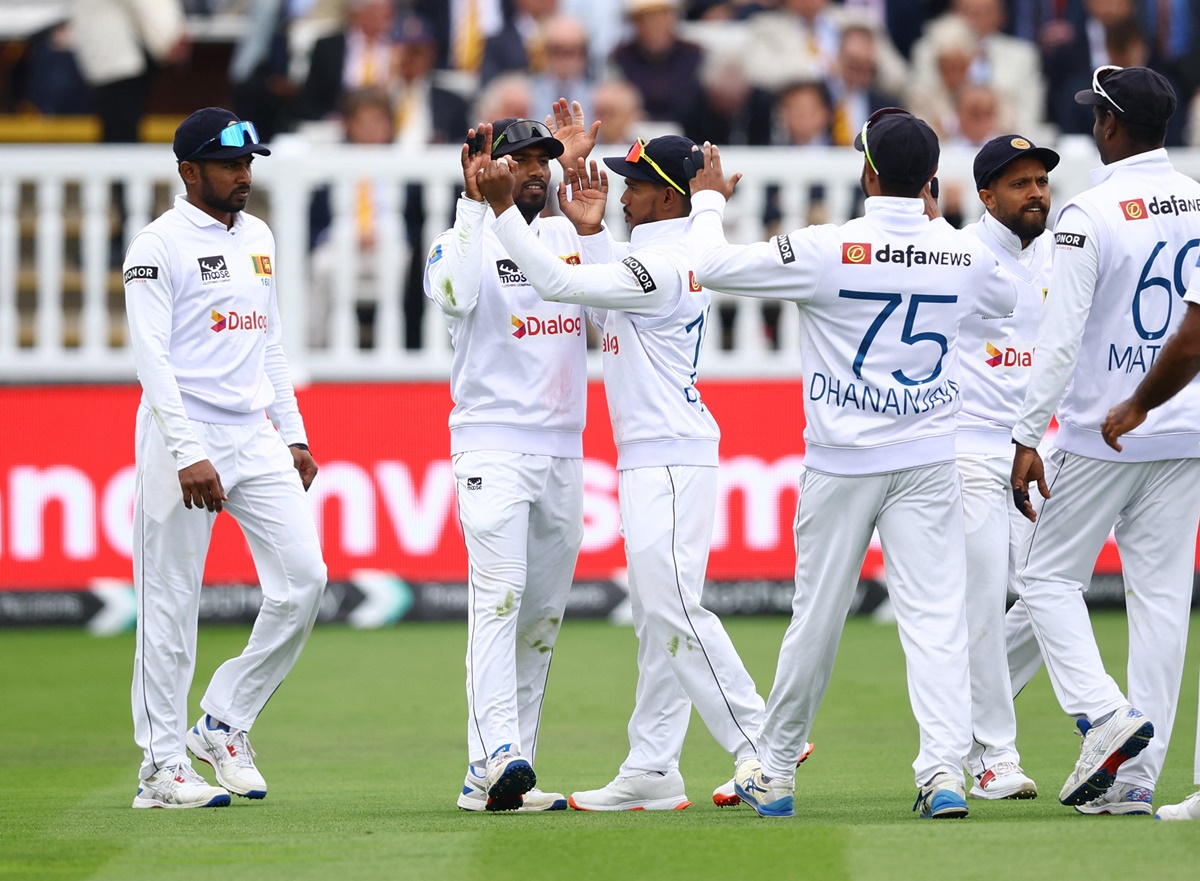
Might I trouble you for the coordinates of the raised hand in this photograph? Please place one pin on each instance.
(710, 176)
(476, 154)
(495, 181)
(589, 196)
(570, 128)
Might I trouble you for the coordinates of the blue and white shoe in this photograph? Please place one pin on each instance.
(474, 795)
(1106, 747)
(1188, 809)
(1123, 798)
(943, 798)
(769, 798)
(179, 787)
(229, 752)
(509, 776)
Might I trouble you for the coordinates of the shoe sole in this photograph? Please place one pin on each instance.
(507, 793)
(475, 805)
(656, 804)
(217, 801)
(196, 747)
(1117, 810)
(723, 800)
(1102, 779)
(781, 807)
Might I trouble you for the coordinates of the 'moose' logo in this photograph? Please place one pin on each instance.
(213, 270)
(238, 321)
(534, 326)
(1134, 209)
(1008, 357)
(856, 252)
(510, 274)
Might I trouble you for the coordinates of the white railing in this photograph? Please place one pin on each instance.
(35, 345)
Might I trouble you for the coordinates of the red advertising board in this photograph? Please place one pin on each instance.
(384, 498)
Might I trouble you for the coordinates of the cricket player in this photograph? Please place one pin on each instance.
(519, 383)
(204, 324)
(881, 301)
(1124, 255)
(653, 315)
(1173, 372)
(1013, 182)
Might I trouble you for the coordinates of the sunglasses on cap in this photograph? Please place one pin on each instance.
(521, 130)
(871, 120)
(637, 153)
(1099, 89)
(235, 135)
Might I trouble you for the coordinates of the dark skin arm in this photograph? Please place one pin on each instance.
(1027, 466)
(1176, 365)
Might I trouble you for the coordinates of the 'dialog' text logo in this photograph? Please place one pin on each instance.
(533, 326)
(1009, 356)
(238, 321)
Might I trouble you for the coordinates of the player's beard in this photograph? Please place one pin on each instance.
(531, 204)
(1026, 225)
(232, 202)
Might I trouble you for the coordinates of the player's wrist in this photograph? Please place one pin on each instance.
(300, 446)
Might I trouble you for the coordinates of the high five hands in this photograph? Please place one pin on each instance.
(710, 176)
(476, 154)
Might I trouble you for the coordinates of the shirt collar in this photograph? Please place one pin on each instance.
(203, 218)
(645, 233)
(1148, 161)
(908, 212)
(1004, 236)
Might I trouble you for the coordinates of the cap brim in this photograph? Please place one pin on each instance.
(858, 142)
(630, 169)
(1087, 96)
(235, 152)
(554, 147)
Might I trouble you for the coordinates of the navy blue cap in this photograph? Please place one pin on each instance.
(671, 153)
(998, 152)
(202, 132)
(1138, 94)
(904, 149)
(512, 134)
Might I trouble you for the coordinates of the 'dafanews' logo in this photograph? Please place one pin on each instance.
(1134, 209)
(856, 252)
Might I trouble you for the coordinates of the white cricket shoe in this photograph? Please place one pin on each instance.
(943, 798)
(644, 792)
(179, 787)
(229, 752)
(509, 776)
(1004, 780)
(474, 795)
(1106, 747)
(1122, 798)
(725, 795)
(1188, 809)
(769, 798)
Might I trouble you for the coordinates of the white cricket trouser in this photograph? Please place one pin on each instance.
(522, 520)
(1155, 507)
(994, 530)
(919, 516)
(170, 543)
(684, 654)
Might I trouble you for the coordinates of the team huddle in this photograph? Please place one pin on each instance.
(922, 375)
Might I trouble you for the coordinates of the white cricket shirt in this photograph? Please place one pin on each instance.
(996, 354)
(519, 376)
(881, 299)
(1124, 255)
(204, 325)
(654, 323)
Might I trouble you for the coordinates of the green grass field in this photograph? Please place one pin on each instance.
(363, 750)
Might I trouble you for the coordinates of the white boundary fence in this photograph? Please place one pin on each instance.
(37, 244)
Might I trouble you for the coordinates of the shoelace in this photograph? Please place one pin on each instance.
(243, 752)
(1001, 768)
(187, 772)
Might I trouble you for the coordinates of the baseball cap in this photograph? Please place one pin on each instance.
(511, 134)
(215, 133)
(899, 146)
(1136, 94)
(667, 159)
(998, 152)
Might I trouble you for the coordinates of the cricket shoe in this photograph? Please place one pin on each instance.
(726, 796)
(229, 752)
(769, 798)
(942, 798)
(509, 776)
(474, 795)
(1122, 798)
(1004, 780)
(643, 792)
(179, 787)
(1188, 809)
(1106, 747)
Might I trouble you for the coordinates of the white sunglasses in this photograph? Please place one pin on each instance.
(1099, 89)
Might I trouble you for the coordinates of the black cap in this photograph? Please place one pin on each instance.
(998, 152)
(524, 133)
(198, 137)
(1136, 94)
(671, 153)
(904, 149)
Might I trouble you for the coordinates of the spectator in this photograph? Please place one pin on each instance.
(730, 110)
(359, 57)
(618, 106)
(568, 72)
(259, 79)
(980, 116)
(950, 46)
(510, 95)
(664, 67)
(45, 76)
(120, 45)
(520, 46)
(803, 114)
(852, 84)
(1011, 66)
